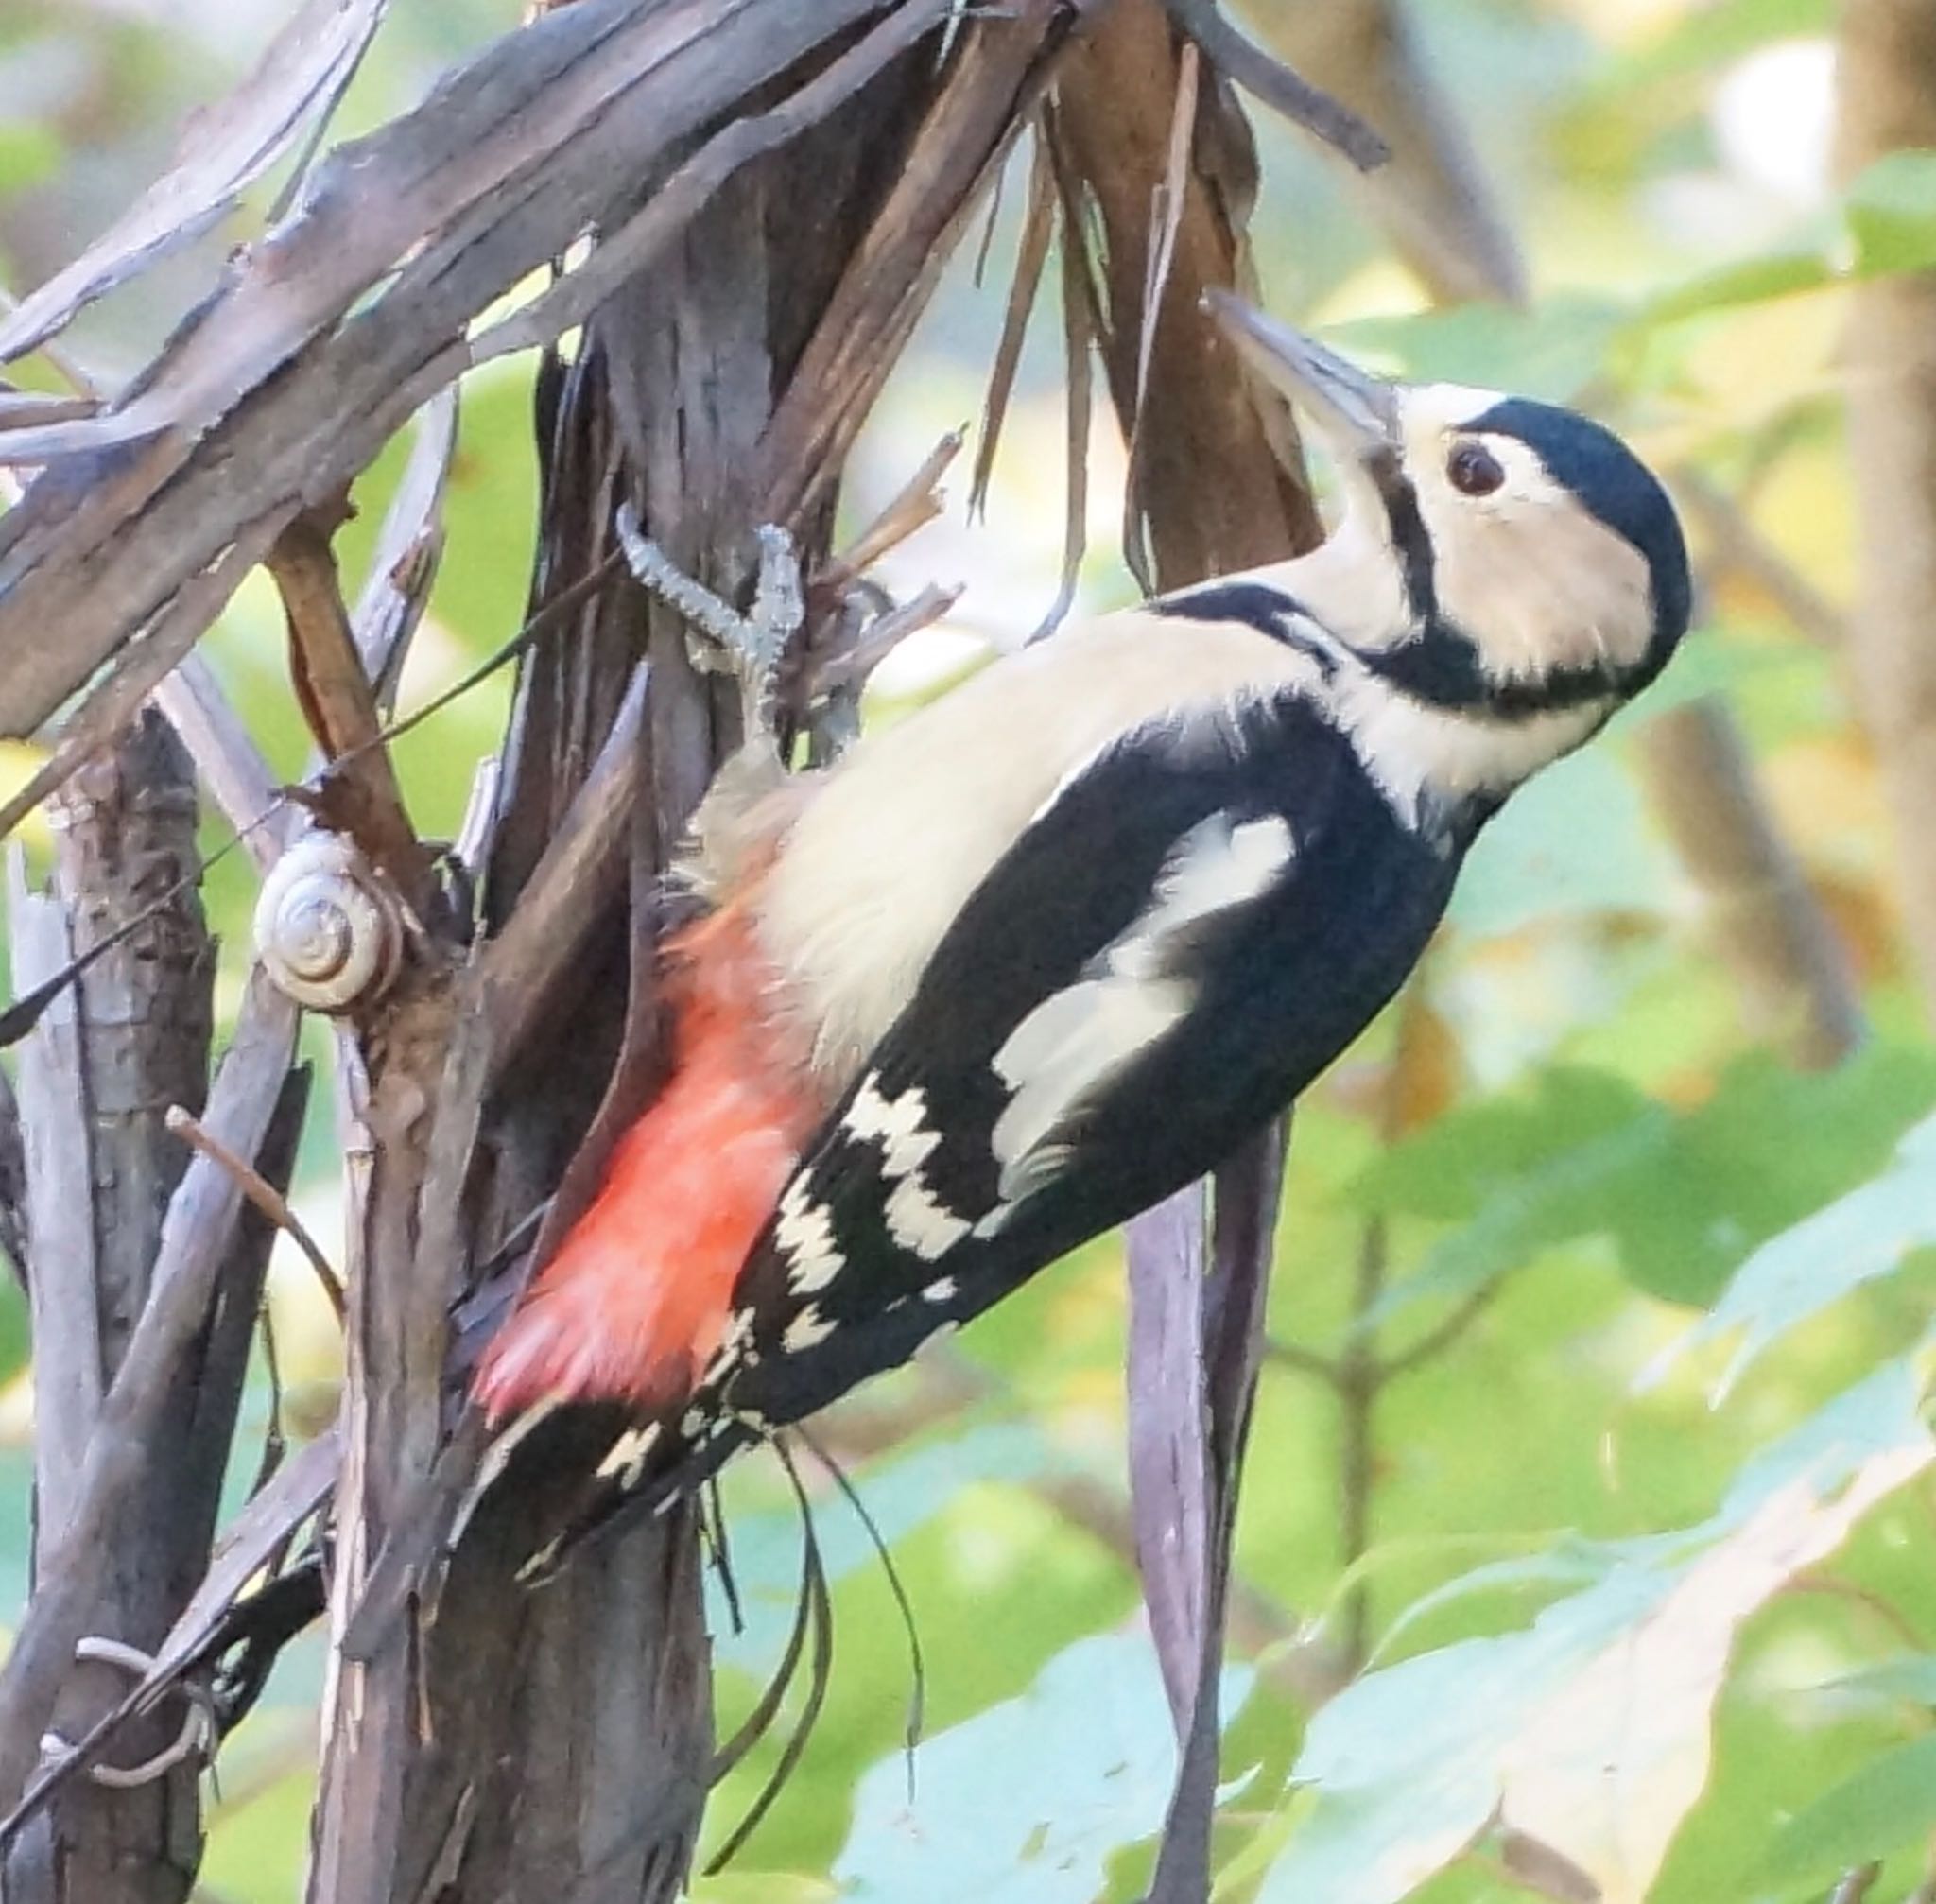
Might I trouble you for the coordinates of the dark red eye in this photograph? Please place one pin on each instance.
(1473, 470)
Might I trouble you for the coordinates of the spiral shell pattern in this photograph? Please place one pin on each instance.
(328, 929)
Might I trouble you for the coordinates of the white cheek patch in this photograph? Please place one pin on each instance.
(1063, 1053)
(1416, 753)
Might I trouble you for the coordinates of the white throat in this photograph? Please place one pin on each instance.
(1419, 756)
(1423, 756)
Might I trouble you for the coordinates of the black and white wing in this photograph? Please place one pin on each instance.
(1196, 924)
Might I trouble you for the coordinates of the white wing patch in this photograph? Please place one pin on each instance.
(806, 1233)
(900, 1124)
(626, 1457)
(916, 1218)
(1063, 1053)
(1065, 1049)
(919, 1222)
(1214, 867)
(807, 1330)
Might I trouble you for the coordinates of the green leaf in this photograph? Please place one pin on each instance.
(1884, 224)
(1859, 1236)
(1552, 351)
(1406, 1761)
(901, 1495)
(1408, 1764)
(1681, 1195)
(1910, 1677)
(1879, 1415)
(1892, 213)
(1569, 1561)
(1026, 1803)
(1577, 841)
(1747, 281)
(1885, 1803)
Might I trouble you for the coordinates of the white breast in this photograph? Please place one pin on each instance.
(878, 865)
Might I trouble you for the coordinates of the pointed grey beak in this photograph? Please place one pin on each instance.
(1356, 412)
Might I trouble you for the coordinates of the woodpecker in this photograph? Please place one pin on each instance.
(1033, 958)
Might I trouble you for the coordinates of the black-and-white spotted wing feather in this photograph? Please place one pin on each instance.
(1194, 926)
(1174, 928)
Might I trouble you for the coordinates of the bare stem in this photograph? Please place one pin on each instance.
(266, 1198)
(1360, 1377)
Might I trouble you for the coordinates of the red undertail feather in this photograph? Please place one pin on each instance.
(636, 1298)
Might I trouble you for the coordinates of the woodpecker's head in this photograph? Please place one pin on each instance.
(1497, 556)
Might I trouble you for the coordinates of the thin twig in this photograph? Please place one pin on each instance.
(275, 1443)
(1269, 80)
(1031, 256)
(1168, 197)
(266, 1198)
(1734, 544)
(851, 667)
(19, 1018)
(914, 505)
(1816, 1580)
(107, 707)
(1079, 336)
(1443, 1334)
(1305, 1667)
(1361, 1379)
(1302, 1361)
(58, 358)
(193, 1247)
(338, 702)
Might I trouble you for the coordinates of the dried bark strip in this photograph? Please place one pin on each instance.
(338, 702)
(1215, 490)
(588, 1780)
(273, 394)
(297, 79)
(195, 1244)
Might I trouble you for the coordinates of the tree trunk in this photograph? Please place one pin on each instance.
(569, 1737)
(96, 1085)
(1888, 103)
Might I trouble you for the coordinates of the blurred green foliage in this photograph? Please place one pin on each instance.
(1607, 1144)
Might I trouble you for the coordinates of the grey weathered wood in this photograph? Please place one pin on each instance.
(298, 79)
(556, 1744)
(545, 134)
(1214, 486)
(125, 833)
(131, 1040)
(193, 1251)
(226, 756)
(59, 1228)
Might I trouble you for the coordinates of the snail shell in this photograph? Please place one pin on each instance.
(328, 929)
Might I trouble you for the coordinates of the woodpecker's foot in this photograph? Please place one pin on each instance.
(721, 640)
